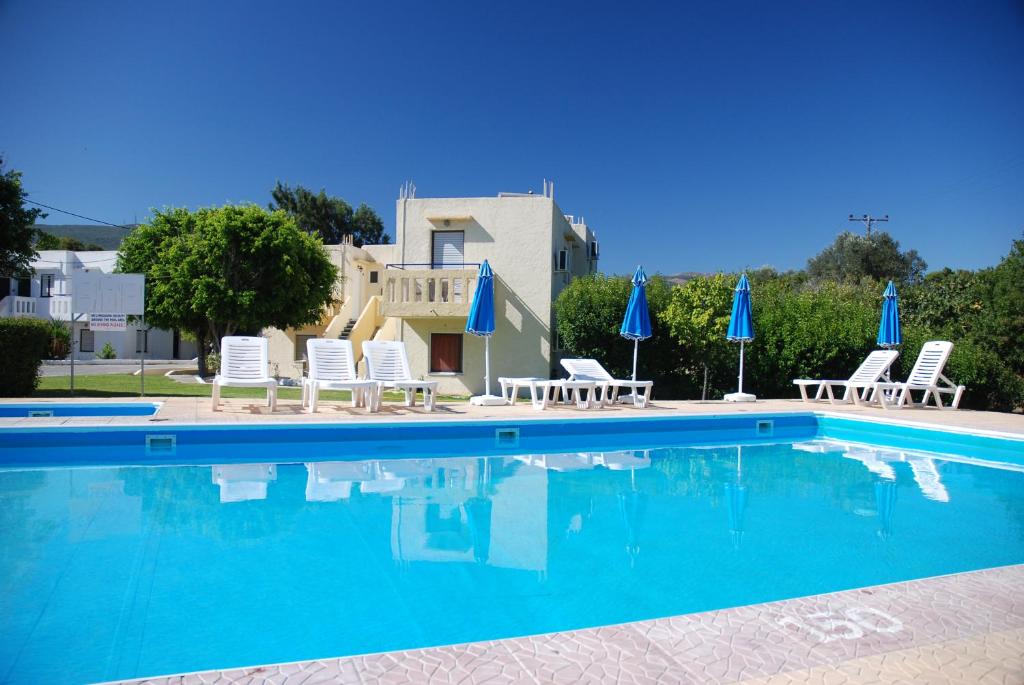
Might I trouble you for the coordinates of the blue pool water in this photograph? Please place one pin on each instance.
(206, 554)
(78, 409)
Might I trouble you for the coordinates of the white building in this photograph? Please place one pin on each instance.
(47, 295)
(419, 289)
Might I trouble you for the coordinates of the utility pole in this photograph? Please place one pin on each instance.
(867, 220)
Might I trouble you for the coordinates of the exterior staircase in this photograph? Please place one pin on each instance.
(347, 330)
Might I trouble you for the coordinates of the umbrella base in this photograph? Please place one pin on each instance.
(487, 400)
(740, 397)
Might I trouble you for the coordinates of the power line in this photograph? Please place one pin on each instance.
(80, 216)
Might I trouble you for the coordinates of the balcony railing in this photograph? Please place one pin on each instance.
(425, 292)
(55, 307)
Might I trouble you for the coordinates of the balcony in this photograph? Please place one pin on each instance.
(57, 307)
(416, 291)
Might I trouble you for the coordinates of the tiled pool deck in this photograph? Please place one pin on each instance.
(965, 628)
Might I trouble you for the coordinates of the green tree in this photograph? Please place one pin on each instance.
(1005, 325)
(227, 270)
(367, 227)
(852, 258)
(953, 304)
(588, 314)
(809, 332)
(329, 217)
(697, 318)
(48, 241)
(16, 225)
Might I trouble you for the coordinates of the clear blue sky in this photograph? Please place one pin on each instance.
(700, 136)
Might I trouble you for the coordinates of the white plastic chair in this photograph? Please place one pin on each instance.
(859, 386)
(332, 367)
(388, 365)
(243, 364)
(591, 370)
(927, 377)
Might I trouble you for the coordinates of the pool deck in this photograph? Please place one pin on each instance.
(964, 628)
(197, 410)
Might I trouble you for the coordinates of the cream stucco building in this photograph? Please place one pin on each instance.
(418, 290)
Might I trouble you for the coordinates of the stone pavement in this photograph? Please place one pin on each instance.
(197, 410)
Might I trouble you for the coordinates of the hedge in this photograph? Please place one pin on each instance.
(24, 343)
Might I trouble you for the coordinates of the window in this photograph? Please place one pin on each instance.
(24, 287)
(374, 277)
(46, 285)
(86, 341)
(300, 346)
(448, 250)
(142, 341)
(593, 249)
(445, 353)
(562, 261)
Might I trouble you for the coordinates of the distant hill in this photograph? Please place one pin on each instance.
(107, 237)
(681, 278)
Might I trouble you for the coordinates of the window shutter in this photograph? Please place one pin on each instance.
(448, 250)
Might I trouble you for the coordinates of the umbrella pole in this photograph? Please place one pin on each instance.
(636, 345)
(741, 367)
(487, 364)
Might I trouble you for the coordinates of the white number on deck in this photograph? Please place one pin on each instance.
(825, 626)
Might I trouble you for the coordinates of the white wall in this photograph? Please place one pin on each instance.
(516, 235)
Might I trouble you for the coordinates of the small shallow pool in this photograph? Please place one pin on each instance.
(199, 552)
(47, 409)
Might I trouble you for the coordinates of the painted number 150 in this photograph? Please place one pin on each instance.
(852, 624)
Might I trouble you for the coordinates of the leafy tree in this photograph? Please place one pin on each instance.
(953, 304)
(225, 270)
(16, 226)
(852, 258)
(588, 314)
(1005, 325)
(811, 332)
(329, 217)
(697, 318)
(48, 241)
(368, 228)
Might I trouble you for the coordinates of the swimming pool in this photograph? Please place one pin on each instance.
(46, 409)
(224, 547)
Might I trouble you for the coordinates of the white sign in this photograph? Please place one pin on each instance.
(108, 322)
(94, 292)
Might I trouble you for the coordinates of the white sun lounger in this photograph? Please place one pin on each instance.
(243, 364)
(388, 364)
(859, 386)
(591, 370)
(243, 482)
(332, 367)
(926, 376)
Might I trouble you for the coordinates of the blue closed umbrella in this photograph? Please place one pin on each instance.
(636, 325)
(736, 495)
(889, 334)
(741, 329)
(481, 322)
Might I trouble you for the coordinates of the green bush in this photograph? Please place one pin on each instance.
(990, 384)
(24, 344)
(60, 339)
(107, 352)
(821, 332)
(588, 314)
(213, 363)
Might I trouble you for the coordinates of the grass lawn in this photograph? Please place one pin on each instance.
(127, 385)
